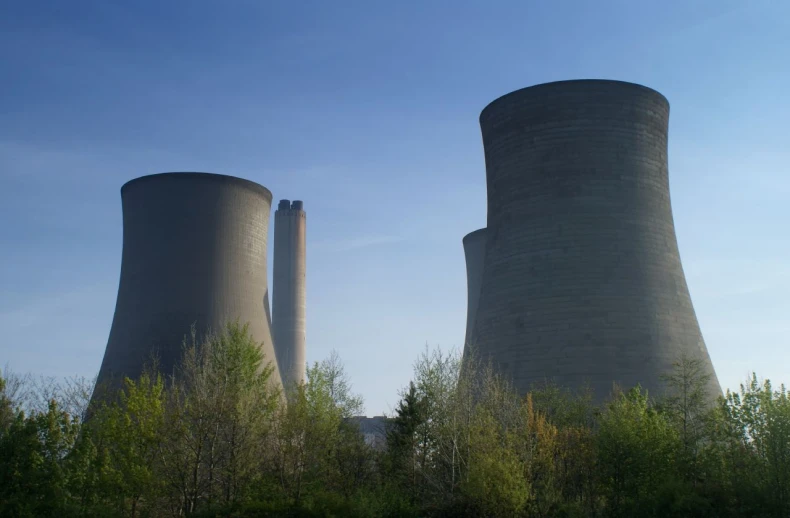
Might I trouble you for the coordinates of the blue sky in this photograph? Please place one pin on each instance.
(368, 111)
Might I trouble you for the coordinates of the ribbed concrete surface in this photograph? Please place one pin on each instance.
(583, 282)
(289, 295)
(194, 251)
(475, 252)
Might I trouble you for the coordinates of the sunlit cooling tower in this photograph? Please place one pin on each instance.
(194, 252)
(289, 294)
(582, 281)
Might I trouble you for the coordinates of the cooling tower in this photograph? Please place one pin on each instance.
(475, 252)
(194, 252)
(289, 294)
(582, 282)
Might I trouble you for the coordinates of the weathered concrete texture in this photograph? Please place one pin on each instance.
(583, 282)
(194, 252)
(474, 251)
(289, 294)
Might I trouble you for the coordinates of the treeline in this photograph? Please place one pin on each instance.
(215, 438)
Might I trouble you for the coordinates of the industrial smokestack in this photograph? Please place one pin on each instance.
(475, 253)
(289, 294)
(583, 282)
(194, 252)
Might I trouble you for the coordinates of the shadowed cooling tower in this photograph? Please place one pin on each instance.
(289, 290)
(475, 252)
(194, 251)
(582, 281)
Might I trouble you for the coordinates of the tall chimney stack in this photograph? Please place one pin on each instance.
(289, 292)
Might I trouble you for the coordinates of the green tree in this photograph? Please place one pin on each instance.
(34, 478)
(574, 473)
(333, 373)
(497, 483)
(130, 432)
(688, 407)
(353, 463)
(754, 434)
(218, 411)
(447, 402)
(6, 407)
(636, 451)
(403, 441)
(88, 467)
(310, 452)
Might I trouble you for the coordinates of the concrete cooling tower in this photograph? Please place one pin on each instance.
(582, 282)
(194, 252)
(475, 253)
(289, 294)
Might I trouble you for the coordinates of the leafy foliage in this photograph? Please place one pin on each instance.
(218, 438)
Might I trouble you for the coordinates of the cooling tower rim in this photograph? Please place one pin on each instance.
(241, 182)
(480, 233)
(552, 84)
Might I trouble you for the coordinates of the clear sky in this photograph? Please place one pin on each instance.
(367, 111)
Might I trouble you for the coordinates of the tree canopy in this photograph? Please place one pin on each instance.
(217, 438)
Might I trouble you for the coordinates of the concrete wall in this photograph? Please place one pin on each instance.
(194, 251)
(373, 429)
(289, 295)
(474, 251)
(583, 282)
